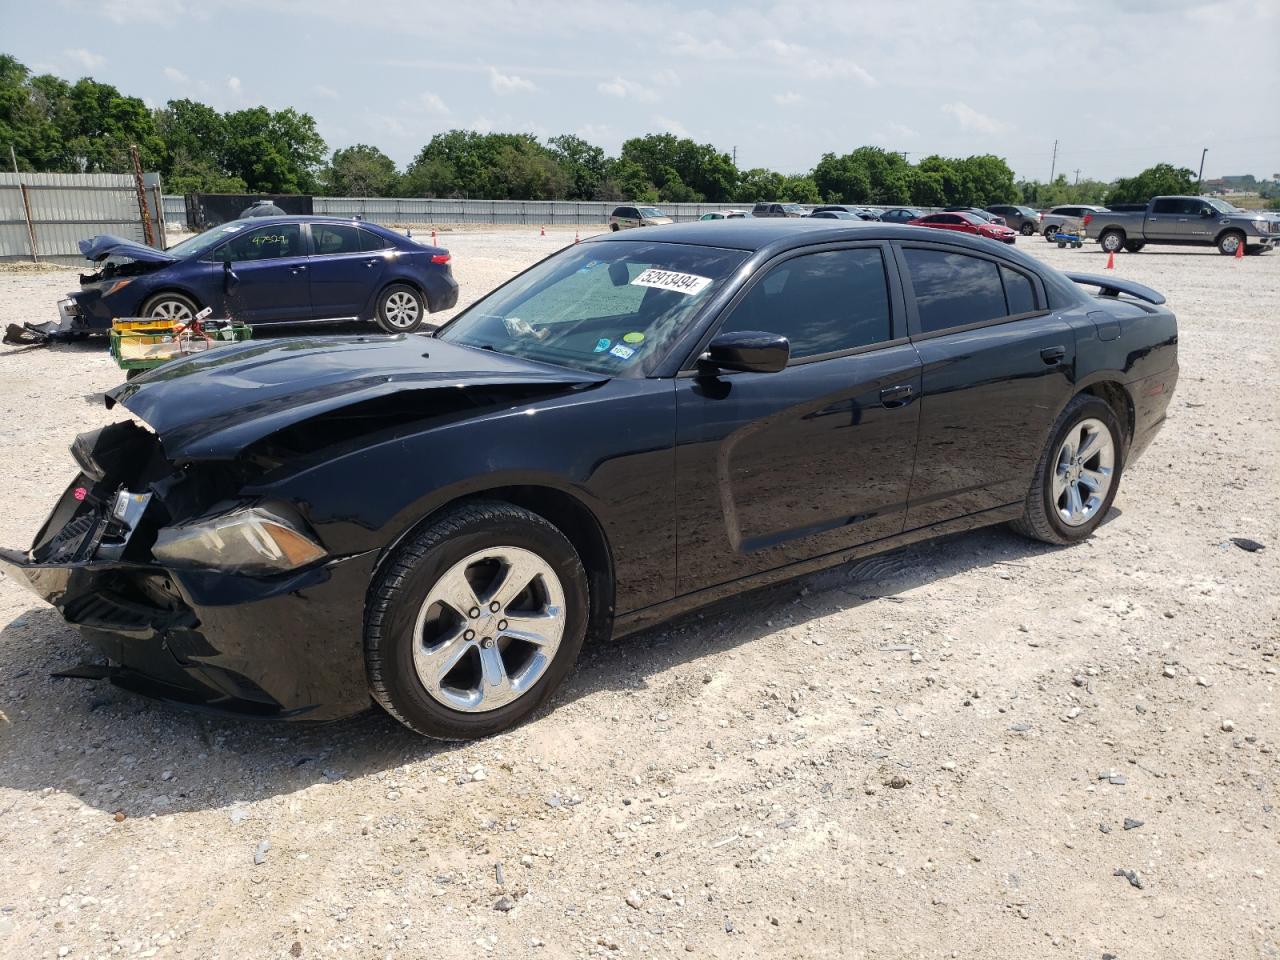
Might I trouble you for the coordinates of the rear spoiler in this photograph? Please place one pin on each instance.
(1113, 287)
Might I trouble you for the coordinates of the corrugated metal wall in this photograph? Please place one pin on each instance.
(69, 207)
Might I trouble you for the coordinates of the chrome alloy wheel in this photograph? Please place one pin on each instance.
(174, 310)
(1083, 472)
(489, 629)
(401, 309)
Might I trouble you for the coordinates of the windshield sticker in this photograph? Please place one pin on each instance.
(622, 352)
(686, 283)
(633, 337)
(602, 344)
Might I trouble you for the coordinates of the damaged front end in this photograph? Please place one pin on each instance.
(192, 593)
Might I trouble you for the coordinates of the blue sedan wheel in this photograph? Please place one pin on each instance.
(400, 309)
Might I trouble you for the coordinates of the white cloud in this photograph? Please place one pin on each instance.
(392, 126)
(668, 125)
(503, 84)
(176, 75)
(971, 119)
(701, 48)
(624, 89)
(431, 103)
(327, 92)
(666, 78)
(815, 65)
(233, 84)
(481, 124)
(86, 58)
(789, 97)
(902, 130)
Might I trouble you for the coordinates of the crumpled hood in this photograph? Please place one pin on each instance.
(212, 405)
(106, 245)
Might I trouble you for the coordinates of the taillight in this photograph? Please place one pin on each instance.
(1087, 218)
(440, 258)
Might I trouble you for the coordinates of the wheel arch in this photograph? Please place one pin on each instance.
(1113, 393)
(394, 281)
(568, 514)
(171, 287)
(1244, 237)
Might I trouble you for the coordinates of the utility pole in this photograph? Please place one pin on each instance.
(1200, 175)
(735, 154)
(1077, 183)
(1054, 165)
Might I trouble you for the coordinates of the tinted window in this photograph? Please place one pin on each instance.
(334, 238)
(1019, 291)
(371, 241)
(265, 243)
(953, 289)
(821, 302)
(1167, 205)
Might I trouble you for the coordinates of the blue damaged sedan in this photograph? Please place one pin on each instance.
(266, 270)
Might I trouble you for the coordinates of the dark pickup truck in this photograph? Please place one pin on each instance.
(1189, 221)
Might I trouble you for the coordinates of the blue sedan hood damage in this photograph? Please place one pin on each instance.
(108, 245)
(212, 406)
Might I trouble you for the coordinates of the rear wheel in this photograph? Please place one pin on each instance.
(1230, 242)
(1050, 232)
(1112, 241)
(475, 622)
(1027, 228)
(400, 309)
(1077, 476)
(177, 307)
(613, 227)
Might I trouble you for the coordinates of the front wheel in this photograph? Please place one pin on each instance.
(1229, 243)
(1112, 241)
(475, 621)
(400, 309)
(1050, 232)
(177, 307)
(1077, 476)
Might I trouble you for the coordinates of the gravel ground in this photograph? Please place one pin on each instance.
(949, 751)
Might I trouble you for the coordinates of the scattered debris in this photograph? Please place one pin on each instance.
(1228, 726)
(634, 900)
(1130, 875)
(1132, 824)
(504, 905)
(1249, 546)
(260, 855)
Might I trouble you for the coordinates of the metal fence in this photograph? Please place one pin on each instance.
(44, 215)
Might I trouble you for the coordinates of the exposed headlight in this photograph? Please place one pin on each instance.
(117, 286)
(239, 538)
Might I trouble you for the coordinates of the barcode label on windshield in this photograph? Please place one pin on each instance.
(687, 283)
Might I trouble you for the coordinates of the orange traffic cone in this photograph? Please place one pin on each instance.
(433, 237)
(542, 232)
(1111, 261)
(1240, 251)
(576, 238)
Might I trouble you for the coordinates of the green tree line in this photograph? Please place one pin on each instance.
(84, 127)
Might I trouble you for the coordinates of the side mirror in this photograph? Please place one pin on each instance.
(229, 278)
(752, 351)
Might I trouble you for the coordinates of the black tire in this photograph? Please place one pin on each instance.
(1050, 232)
(170, 306)
(613, 227)
(1111, 241)
(394, 313)
(1040, 520)
(1229, 242)
(406, 579)
(1133, 246)
(134, 372)
(1027, 229)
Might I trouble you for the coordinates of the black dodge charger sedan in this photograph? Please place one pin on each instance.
(635, 426)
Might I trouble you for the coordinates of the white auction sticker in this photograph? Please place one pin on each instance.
(687, 283)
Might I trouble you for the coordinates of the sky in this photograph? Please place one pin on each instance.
(1119, 86)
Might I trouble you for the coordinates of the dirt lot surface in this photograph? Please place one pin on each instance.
(946, 752)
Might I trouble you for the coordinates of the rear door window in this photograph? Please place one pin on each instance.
(371, 241)
(821, 302)
(331, 239)
(1167, 205)
(954, 289)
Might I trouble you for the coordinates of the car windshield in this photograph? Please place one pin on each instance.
(204, 242)
(651, 212)
(1025, 211)
(609, 306)
(1221, 205)
(793, 208)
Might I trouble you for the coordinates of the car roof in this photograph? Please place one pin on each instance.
(299, 218)
(779, 234)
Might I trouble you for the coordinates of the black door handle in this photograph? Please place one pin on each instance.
(1052, 355)
(898, 396)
